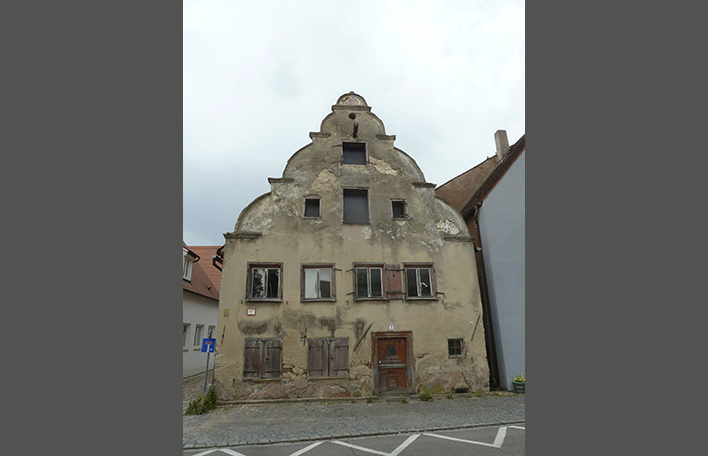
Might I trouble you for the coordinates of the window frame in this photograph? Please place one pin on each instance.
(262, 357)
(355, 191)
(249, 281)
(433, 285)
(462, 348)
(318, 266)
(319, 207)
(185, 335)
(405, 209)
(369, 267)
(333, 366)
(354, 144)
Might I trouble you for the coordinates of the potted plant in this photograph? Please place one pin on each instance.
(519, 383)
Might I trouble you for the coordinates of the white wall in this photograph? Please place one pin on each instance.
(197, 310)
(502, 221)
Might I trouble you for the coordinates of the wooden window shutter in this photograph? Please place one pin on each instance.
(317, 357)
(394, 287)
(339, 357)
(252, 359)
(273, 365)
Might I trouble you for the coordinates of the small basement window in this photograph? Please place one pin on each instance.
(354, 153)
(312, 208)
(399, 209)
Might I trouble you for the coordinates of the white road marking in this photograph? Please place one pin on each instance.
(403, 446)
(306, 449)
(223, 450)
(518, 427)
(357, 447)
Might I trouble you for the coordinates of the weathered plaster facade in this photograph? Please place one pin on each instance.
(429, 237)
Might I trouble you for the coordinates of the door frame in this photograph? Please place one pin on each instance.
(410, 375)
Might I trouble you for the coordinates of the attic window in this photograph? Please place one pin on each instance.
(353, 153)
(399, 209)
(312, 208)
(187, 261)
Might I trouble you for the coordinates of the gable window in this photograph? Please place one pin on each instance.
(317, 282)
(420, 281)
(356, 206)
(187, 261)
(369, 281)
(264, 282)
(328, 357)
(313, 207)
(455, 348)
(399, 209)
(263, 358)
(353, 153)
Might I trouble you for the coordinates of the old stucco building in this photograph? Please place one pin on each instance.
(350, 277)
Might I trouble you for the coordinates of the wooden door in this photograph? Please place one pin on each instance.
(392, 365)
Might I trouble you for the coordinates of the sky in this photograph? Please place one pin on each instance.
(258, 77)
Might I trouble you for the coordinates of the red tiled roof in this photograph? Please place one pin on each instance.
(206, 278)
(205, 253)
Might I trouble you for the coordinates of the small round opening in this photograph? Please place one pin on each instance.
(352, 116)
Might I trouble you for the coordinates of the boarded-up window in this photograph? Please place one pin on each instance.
(356, 206)
(354, 153)
(318, 282)
(394, 287)
(369, 281)
(328, 357)
(420, 281)
(264, 282)
(262, 358)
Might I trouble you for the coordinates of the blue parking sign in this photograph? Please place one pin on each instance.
(208, 345)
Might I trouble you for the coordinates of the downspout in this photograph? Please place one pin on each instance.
(486, 308)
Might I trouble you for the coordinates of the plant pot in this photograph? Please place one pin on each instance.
(519, 387)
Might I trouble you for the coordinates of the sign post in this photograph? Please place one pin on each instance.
(208, 348)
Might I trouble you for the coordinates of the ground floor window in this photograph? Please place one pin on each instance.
(328, 357)
(263, 358)
(455, 348)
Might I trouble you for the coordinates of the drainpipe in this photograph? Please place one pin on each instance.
(486, 308)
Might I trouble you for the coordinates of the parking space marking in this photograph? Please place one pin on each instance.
(498, 441)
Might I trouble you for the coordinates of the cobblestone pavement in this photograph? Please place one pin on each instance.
(248, 424)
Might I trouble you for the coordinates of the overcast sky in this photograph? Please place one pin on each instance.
(443, 76)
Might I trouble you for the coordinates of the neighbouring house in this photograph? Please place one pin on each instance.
(350, 278)
(491, 198)
(201, 280)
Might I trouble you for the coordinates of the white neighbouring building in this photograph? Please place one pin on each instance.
(201, 281)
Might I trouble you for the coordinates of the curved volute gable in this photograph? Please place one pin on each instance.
(317, 171)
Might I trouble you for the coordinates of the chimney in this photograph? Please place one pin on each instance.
(502, 144)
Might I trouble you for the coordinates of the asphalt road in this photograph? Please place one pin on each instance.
(506, 440)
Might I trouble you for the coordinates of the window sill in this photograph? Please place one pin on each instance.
(264, 300)
(254, 379)
(305, 301)
(329, 378)
(185, 349)
(370, 299)
(421, 299)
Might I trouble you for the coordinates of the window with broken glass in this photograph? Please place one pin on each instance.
(420, 281)
(317, 282)
(264, 282)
